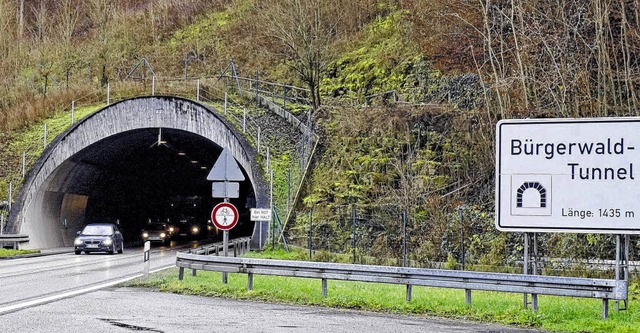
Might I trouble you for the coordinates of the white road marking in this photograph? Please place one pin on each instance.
(57, 297)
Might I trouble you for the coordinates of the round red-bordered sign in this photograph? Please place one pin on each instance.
(224, 216)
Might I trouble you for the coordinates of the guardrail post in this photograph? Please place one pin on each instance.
(250, 281)
(193, 272)
(181, 273)
(408, 293)
(605, 308)
(467, 296)
(324, 287)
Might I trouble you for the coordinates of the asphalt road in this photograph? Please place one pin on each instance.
(142, 310)
(29, 281)
(75, 293)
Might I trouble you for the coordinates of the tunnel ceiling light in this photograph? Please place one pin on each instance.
(181, 153)
(194, 162)
(203, 167)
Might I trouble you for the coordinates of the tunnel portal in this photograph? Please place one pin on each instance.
(131, 163)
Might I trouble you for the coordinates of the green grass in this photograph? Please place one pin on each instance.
(561, 314)
(6, 253)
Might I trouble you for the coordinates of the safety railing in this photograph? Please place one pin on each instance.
(13, 240)
(239, 246)
(468, 280)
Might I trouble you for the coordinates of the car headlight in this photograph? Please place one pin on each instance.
(78, 241)
(107, 241)
(145, 234)
(195, 230)
(171, 229)
(163, 235)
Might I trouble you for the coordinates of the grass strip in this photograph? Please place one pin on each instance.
(7, 253)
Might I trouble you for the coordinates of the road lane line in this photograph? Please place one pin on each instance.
(86, 290)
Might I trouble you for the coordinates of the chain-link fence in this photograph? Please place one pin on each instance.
(393, 235)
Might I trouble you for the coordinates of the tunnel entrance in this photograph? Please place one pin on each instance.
(134, 176)
(144, 176)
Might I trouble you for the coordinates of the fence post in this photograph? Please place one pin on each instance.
(284, 97)
(153, 85)
(44, 137)
(257, 84)
(108, 92)
(462, 238)
(404, 238)
(24, 162)
(268, 160)
(353, 221)
(198, 90)
(244, 120)
(310, 233)
(258, 139)
(73, 112)
(525, 265)
(225, 102)
(288, 186)
(10, 194)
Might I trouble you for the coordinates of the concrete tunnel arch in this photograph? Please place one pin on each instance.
(123, 162)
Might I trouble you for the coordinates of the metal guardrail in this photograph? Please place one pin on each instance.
(502, 282)
(13, 239)
(239, 246)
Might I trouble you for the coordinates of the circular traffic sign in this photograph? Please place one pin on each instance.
(224, 216)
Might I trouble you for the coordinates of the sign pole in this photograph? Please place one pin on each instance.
(225, 215)
(225, 245)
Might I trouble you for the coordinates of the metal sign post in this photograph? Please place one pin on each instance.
(225, 174)
(225, 216)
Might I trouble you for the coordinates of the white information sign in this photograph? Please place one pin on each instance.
(260, 214)
(568, 175)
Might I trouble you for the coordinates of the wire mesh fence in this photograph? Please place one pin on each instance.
(392, 235)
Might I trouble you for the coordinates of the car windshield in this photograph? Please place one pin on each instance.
(155, 227)
(98, 230)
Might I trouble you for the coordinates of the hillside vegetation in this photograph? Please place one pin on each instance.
(405, 95)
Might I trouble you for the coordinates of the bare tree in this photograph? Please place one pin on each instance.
(69, 15)
(304, 30)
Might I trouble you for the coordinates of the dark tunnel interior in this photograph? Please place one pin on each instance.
(142, 176)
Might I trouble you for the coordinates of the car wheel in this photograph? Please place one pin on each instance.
(113, 249)
(121, 248)
(78, 252)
